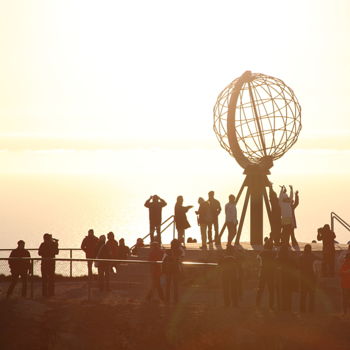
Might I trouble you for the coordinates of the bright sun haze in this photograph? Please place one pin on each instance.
(103, 103)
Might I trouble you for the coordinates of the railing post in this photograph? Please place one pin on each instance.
(31, 278)
(174, 229)
(89, 286)
(71, 263)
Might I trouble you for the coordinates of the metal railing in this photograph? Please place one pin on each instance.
(162, 229)
(113, 262)
(334, 217)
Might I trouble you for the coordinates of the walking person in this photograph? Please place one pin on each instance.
(180, 218)
(286, 278)
(345, 283)
(327, 236)
(275, 217)
(19, 267)
(204, 218)
(230, 277)
(89, 246)
(155, 254)
(267, 273)
(307, 279)
(231, 218)
(155, 205)
(215, 209)
(172, 269)
(48, 251)
(113, 246)
(103, 267)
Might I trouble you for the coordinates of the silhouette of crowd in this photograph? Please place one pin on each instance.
(282, 273)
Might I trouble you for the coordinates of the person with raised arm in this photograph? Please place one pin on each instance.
(155, 204)
(285, 202)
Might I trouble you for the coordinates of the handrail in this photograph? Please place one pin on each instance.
(335, 216)
(170, 217)
(133, 261)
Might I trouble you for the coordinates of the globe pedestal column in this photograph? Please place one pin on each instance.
(255, 183)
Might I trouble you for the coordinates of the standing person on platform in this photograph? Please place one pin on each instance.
(215, 209)
(155, 254)
(275, 217)
(295, 203)
(286, 214)
(267, 273)
(307, 279)
(204, 219)
(327, 236)
(231, 218)
(180, 218)
(172, 269)
(89, 246)
(19, 268)
(155, 205)
(48, 250)
(345, 283)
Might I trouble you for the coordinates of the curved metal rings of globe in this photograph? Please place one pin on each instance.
(266, 118)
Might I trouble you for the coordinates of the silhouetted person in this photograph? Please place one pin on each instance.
(295, 203)
(189, 240)
(287, 278)
(327, 236)
(345, 282)
(155, 254)
(139, 244)
(48, 250)
(307, 279)
(275, 217)
(230, 277)
(19, 268)
(180, 218)
(113, 247)
(215, 209)
(123, 250)
(267, 273)
(103, 266)
(204, 218)
(231, 218)
(155, 205)
(286, 214)
(172, 268)
(89, 246)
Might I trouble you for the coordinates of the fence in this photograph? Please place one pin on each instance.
(129, 271)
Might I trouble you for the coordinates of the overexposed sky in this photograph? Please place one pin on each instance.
(151, 70)
(128, 87)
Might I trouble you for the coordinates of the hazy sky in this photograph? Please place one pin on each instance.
(88, 86)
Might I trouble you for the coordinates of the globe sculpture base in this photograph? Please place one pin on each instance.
(255, 184)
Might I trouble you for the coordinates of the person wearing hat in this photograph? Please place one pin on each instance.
(345, 282)
(48, 250)
(19, 267)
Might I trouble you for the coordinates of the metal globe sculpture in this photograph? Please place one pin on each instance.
(257, 116)
(257, 119)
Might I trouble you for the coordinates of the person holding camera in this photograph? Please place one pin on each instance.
(48, 251)
(155, 205)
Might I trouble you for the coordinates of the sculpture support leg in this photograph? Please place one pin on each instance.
(256, 217)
